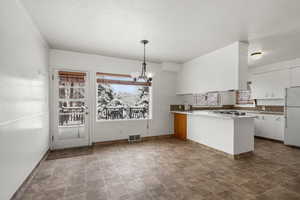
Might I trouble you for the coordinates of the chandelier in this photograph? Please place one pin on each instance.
(143, 75)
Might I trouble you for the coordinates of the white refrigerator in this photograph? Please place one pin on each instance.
(292, 117)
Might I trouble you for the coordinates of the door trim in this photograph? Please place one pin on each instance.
(52, 104)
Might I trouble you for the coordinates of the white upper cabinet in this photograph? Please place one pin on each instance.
(270, 85)
(222, 70)
(295, 76)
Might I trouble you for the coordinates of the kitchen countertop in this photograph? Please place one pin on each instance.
(212, 114)
(262, 112)
(247, 111)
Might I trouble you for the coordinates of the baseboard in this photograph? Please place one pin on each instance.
(122, 141)
(235, 157)
(270, 139)
(157, 137)
(25, 183)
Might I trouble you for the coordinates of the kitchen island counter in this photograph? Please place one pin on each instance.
(232, 134)
(211, 113)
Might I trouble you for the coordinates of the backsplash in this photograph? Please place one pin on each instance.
(206, 99)
(263, 108)
(244, 97)
(181, 107)
(270, 102)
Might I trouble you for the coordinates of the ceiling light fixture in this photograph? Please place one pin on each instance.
(143, 75)
(256, 55)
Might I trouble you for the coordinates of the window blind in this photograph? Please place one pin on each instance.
(122, 79)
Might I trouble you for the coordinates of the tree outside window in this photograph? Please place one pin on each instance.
(119, 98)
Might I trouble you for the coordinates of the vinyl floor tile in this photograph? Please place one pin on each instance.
(167, 169)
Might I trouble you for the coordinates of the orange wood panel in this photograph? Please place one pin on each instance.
(75, 74)
(110, 74)
(180, 126)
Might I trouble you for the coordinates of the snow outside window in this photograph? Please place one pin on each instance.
(119, 98)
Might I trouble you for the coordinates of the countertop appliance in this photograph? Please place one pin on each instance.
(292, 116)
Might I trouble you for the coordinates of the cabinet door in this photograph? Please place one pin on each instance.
(260, 86)
(257, 126)
(295, 76)
(260, 128)
(279, 81)
(270, 126)
(275, 127)
(180, 126)
(279, 127)
(270, 85)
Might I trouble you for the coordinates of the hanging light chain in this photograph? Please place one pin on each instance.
(143, 74)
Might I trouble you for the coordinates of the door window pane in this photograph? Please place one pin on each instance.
(71, 93)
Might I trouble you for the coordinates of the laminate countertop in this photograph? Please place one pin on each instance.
(212, 114)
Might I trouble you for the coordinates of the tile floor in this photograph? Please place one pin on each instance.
(169, 169)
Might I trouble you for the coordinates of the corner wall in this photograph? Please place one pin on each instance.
(24, 124)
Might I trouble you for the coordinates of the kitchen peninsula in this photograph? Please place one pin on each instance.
(231, 133)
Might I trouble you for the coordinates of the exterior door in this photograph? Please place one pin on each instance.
(70, 109)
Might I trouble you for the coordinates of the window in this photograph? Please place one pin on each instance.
(120, 98)
(71, 98)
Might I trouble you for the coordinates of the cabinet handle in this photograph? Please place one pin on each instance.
(285, 107)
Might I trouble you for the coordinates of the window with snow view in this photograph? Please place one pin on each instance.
(120, 98)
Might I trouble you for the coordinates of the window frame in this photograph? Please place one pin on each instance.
(150, 114)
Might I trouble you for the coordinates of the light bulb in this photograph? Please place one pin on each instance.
(149, 74)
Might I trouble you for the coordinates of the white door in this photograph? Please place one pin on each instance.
(70, 109)
(292, 128)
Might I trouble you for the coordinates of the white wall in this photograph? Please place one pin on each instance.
(163, 93)
(24, 129)
(223, 69)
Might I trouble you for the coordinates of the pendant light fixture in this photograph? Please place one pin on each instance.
(143, 75)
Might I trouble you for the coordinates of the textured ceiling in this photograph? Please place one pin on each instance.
(178, 30)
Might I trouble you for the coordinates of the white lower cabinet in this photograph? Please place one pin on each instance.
(269, 126)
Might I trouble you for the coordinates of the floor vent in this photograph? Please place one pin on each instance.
(134, 138)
